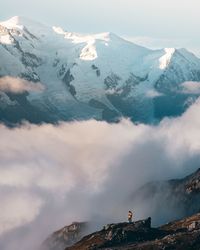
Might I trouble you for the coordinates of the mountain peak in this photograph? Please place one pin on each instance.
(19, 22)
(177, 54)
(166, 58)
(17, 19)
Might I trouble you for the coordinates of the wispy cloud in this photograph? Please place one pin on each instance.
(18, 85)
(191, 87)
(153, 93)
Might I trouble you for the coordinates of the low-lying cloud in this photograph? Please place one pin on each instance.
(53, 175)
(153, 93)
(18, 85)
(191, 87)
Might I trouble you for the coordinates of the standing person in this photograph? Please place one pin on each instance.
(130, 216)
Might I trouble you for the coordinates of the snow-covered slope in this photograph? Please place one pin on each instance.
(98, 76)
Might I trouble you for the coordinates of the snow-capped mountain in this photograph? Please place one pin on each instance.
(99, 76)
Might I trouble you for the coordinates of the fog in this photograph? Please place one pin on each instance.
(52, 175)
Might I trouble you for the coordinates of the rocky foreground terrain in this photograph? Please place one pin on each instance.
(182, 234)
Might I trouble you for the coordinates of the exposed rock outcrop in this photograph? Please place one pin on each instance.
(65, 237)
(141, 236)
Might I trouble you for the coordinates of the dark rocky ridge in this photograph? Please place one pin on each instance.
(182, 234)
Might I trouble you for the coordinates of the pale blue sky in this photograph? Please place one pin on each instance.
(160, 19)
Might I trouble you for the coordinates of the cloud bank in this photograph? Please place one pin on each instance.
(80, 171)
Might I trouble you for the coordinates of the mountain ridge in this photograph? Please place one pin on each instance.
(177, 235)
(99, 76)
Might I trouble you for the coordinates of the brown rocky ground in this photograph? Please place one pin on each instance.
(181, 235)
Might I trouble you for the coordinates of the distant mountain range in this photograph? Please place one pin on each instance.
(81, 77)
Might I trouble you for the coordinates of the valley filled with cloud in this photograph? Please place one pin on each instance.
(52, 175)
